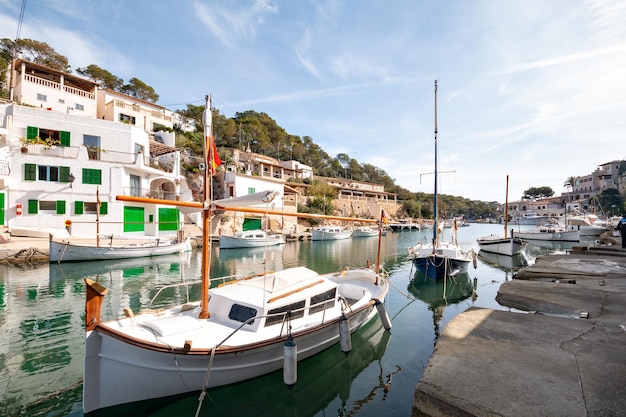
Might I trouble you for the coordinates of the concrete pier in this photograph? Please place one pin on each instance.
(567, 357)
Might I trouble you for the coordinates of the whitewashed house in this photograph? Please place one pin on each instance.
(64, 142)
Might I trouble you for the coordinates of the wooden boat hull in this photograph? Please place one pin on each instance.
(126, 361)
(66, 251)
(503, 246)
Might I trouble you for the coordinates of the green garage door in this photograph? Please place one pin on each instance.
(133, 219)
(168, 219)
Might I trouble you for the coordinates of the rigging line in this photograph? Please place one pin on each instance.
(21, 19)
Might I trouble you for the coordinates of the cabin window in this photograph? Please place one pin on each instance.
(42, 97)
(241, 313)
(251, 190)
(79, 107)
(323, 301)
(277, 315)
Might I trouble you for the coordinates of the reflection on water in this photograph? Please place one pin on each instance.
(504, 262)
(441, 293)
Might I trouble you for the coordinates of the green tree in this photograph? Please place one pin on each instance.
(610, 200)
(534, 193)
(102, 76)
(34, 51)
(139, 89)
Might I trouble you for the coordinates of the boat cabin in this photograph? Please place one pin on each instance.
(299, 290)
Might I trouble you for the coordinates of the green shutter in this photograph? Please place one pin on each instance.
(32, 132)
(33, 206)
(104, 207)
(64, 138)
(92, 176)
(64, 172)
(30, 172)
(60, 206)
(78, 207)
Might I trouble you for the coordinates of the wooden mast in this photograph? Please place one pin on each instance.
(435, 212)
(206, 215)
(506, 209)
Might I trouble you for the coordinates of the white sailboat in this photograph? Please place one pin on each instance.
(507, 245)
(439, 259)
(253, 326)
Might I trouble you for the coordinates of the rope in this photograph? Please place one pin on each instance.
(206, 382)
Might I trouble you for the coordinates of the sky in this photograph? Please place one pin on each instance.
(532, 89)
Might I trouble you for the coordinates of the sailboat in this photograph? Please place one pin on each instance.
(506, 245)
(439, 259)
(252, 326)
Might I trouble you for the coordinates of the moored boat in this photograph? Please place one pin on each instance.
(366, 231)
(439, 259)
(507, 245)
(547, 232)
(250, 239)
(252, 326)
(85, 249)
(330, 233)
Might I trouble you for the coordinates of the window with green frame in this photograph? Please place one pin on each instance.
(57, 137)
(56, 206)
(92, 176)
(31, 173)
(82, 207)
(251, 190)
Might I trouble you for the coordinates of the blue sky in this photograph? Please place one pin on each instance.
(534, 89)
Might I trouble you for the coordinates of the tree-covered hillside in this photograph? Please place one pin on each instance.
(251, 130)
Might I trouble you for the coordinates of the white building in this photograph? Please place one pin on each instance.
(63, 142)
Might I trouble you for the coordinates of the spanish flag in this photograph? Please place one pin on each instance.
(214, 158)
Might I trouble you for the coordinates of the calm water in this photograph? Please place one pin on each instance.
(42, 336)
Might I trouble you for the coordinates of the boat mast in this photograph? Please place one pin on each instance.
(435, 237)
(206, 214)
(506, 209)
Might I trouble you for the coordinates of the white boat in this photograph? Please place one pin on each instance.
(330, 233)
(507, 245)
(366, 231)
(404, 224)
(439, 259)
(250, 239)
(529, 219)
(89, 249)
(587, 226)
(551, 231)
(252, 326)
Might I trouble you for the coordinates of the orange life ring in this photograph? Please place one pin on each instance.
(68, 223)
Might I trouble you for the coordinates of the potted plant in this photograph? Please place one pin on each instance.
(23, 142)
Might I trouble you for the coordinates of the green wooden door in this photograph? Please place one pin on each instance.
(133, 219)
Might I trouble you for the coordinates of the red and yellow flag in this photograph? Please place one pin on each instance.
(214, 158)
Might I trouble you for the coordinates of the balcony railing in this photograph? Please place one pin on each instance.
(57, 86)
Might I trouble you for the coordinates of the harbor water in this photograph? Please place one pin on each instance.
(42, 327)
